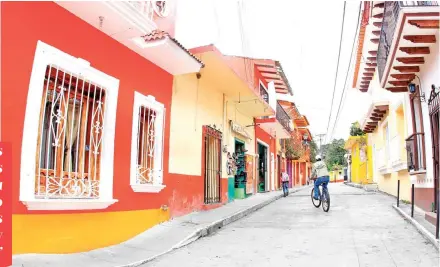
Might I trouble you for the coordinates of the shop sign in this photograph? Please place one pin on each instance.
(237, 128)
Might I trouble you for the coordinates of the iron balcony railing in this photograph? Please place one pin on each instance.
(283, 117)
(145, 8)
(415, 149)
(392, 10)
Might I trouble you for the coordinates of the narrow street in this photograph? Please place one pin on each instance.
(361, 229)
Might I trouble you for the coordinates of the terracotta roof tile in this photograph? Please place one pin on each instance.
(157, 35)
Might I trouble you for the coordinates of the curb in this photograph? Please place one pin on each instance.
(364, 187)
(214, 227)
(425, 233)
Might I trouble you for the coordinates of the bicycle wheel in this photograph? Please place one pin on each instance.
(315, 202)
(325, 200)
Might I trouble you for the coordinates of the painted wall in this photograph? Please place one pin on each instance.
(387, 180)
(429, 74)
(24, 23)
(360, 164)
(195, 103)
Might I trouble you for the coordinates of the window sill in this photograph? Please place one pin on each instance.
(399, 166)
(417, 172)
(68, 204)
(147, 188)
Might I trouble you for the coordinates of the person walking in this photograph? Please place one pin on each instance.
(285, 180)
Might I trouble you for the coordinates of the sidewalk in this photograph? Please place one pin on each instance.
(419, 222)
(158, 240)
(366, 187)
(425, 228)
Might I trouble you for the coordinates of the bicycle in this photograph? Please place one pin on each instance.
(324, 197)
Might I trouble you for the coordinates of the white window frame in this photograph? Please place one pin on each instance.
(151, 103)
(46, 55)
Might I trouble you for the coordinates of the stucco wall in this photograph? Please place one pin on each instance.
(429, 74)
(195, 103)
(23, 24)
(387, 182)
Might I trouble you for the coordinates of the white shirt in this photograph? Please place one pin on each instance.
(285, 177)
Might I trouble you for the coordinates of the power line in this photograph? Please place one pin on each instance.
(347, 72)
(337, 68)
(320, 136)
(243, 38)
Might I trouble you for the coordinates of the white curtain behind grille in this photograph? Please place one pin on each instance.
(73, 119)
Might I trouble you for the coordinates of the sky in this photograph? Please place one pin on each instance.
(304, 36)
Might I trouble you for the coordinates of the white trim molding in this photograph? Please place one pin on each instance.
(46, 55)
(156, 185)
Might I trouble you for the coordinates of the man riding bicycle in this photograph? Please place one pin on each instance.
(320, 173)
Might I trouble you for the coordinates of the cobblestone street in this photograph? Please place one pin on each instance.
(361, 229)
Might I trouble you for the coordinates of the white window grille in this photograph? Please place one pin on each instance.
(68, 135)
(147, 144)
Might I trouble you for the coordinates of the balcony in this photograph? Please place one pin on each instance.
(398, 154)
(415, 149)
(408, 34)
(134, 24)
(278, 126)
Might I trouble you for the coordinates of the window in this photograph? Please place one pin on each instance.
(67, 149)
(147, 144)
(387, 141)
(416, 141)
(263, 92)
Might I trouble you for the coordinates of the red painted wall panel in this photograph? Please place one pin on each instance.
(23, 24)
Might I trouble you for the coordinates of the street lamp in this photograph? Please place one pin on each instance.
(305, 138)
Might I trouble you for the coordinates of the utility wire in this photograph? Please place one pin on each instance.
(242, 37)
(337, 68)
(347, 72)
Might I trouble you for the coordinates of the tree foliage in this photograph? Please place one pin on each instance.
(294, 148)
(334, 154)
(355, 129)
(313, 150)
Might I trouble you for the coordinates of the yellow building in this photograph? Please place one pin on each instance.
(213, 119)
(387, 134)
(361, 162)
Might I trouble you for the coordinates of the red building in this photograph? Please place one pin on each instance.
(86, 95)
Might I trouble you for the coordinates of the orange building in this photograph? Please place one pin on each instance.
(298, 165)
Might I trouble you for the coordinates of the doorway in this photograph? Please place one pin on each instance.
(279, 171)
(290, 173)
(240, 177)
(212, 164)
(434, 110)
(262, 168)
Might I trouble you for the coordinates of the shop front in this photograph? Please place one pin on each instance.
(241, 165)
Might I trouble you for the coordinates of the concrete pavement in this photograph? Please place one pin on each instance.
(156, 241)
(361, 229)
